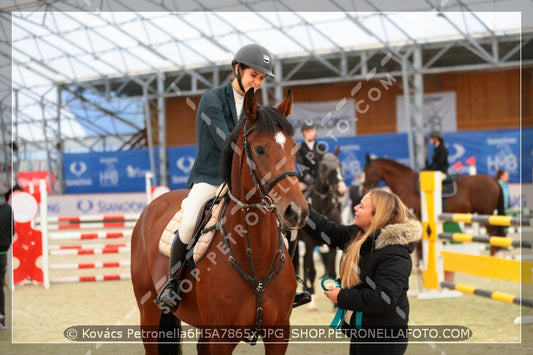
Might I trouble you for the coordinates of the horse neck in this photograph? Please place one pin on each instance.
(396, 179)
(322, 198)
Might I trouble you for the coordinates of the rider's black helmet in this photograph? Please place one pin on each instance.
(255, 56)
(435, 134)
(307, 125)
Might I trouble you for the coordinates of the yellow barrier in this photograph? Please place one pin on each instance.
(479, 265)
(482, 265)
(495, 295)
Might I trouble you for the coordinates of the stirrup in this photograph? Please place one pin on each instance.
(168, 298)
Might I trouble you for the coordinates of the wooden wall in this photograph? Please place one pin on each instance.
(485, 100)
(181, 121)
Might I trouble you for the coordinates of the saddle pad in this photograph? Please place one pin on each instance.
(201, 246)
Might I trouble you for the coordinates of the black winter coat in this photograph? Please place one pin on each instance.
(6, 226)
(307, 160)
(439, 160)
(380, 300)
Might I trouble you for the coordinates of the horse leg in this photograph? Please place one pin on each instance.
(329, 262)
(416, 256)
(296, 255)
(495, 231)
(275, 348)
(150, 316)
(167, 324)
(206, 346)
(145, 292)
(310, 273)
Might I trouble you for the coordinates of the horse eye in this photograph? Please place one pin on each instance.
(260, 150)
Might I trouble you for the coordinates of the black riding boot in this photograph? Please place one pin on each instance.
(168, 297)
(300, 298)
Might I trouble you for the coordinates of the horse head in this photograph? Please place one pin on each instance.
(330, 172)
(262, 143)
(371, 177)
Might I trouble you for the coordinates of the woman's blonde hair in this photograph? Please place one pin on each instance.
(387, 209)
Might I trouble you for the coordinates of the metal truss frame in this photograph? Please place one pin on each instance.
(115, 97)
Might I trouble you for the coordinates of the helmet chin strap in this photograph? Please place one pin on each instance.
(238, 76)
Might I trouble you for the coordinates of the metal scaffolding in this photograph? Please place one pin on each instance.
(86, 77)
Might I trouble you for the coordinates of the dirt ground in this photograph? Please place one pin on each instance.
(37, 319)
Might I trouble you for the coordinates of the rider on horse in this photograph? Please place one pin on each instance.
(219, 110)
(306, 157)
(439, 160)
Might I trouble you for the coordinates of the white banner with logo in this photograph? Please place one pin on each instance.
(331, 118)
(89, 204)
(440, 112)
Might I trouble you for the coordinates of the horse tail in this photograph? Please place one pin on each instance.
(501, 202)
(168, 324)
(501, 210)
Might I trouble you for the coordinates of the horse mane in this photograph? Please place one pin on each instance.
(269, 121)
(396, 164)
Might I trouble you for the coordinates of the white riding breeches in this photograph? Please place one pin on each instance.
(195, 201)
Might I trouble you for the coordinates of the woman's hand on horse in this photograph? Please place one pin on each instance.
(333, 294)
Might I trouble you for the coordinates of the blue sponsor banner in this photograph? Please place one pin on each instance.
(353, 150)
(527, 155)
(122, 171)
(180, 161)
(352, 154)
(491, 150)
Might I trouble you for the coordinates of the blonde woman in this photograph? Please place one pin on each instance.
(374, 272)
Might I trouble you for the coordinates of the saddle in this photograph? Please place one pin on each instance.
(204, 230)
(449, 186)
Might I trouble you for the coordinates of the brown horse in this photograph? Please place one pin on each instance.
(246, 286)
(475, 194)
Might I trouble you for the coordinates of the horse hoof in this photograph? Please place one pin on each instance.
(312, 305)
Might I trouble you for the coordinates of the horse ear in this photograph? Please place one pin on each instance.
(368, 160)
(250, 105)
(285, 107)
(337, 151)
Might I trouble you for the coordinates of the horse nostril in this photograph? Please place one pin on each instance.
(290, 214)
(295, 215)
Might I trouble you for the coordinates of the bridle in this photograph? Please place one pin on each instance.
(325, 180)
(258, 179)
(267, 203)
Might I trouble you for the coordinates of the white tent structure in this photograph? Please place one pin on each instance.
(79, 75)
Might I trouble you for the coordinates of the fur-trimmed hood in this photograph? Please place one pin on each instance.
(399, 234)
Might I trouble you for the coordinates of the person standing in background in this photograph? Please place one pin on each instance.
(307, 157)
(502, 176)
(6, 236)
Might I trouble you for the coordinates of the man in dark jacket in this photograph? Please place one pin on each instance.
(439, 160)
(306, 156)
(6, 234)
